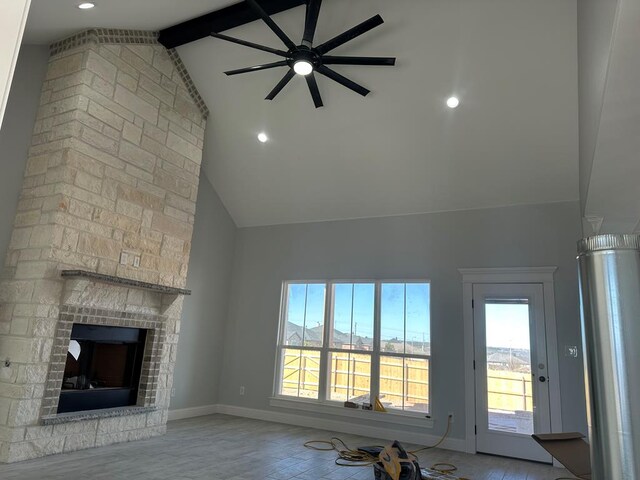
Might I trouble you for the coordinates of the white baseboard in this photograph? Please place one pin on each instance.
(341, 426)
(318, 423)
(183, 413)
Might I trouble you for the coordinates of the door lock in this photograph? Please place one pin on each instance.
(543, 379)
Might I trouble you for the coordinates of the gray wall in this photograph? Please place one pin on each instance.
(15, 135)
(205, 312)
(596, 19)
(432, 246)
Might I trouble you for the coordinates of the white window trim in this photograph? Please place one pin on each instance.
(322, 402)
(541, 275)
(397, 417)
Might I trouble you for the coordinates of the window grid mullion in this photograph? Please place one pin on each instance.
(405, 384)
(304, 334)
(349, 375)
(375, 354)
(323, 378)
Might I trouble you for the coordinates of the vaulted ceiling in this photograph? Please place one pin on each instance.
(513, 140)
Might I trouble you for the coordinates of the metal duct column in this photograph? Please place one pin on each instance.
(610, 292)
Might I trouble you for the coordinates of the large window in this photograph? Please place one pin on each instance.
(356, 341)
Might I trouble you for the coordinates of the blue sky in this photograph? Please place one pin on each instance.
(507, 325)
(314, 295)
(354, 304)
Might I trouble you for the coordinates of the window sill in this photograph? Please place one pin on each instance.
(409, 419)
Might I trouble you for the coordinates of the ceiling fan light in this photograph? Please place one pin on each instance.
(303, 67)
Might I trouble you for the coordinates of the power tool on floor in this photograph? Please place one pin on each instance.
(395, 464)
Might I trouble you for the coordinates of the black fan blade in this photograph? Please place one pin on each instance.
(313, 88)
(327, 72)
(281, 84)
(350, 34)
(385, 61)
(311, 22)
(249, 44)
(272, 25)
(256, 68)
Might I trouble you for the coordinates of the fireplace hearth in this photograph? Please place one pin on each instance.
(102, 368)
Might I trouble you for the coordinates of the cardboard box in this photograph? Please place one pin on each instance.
(570, 449)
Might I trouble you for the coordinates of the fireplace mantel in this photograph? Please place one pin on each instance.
(125, 282)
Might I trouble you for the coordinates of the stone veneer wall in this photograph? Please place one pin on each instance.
(114, 166)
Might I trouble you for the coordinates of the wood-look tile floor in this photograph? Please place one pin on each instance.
(220, 447)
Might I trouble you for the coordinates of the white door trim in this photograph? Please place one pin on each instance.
(543, 275)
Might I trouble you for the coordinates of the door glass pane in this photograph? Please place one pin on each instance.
(509, 387)
(349, 377)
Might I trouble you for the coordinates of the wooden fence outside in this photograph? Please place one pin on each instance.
(402, 383)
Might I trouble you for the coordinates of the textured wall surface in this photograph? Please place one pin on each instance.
(113, 166)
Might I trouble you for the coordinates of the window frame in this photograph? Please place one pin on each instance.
(284, 310)
(326, 349)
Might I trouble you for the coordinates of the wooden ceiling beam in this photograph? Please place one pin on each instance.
(220, 20)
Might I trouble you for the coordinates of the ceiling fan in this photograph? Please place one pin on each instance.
(305, 59)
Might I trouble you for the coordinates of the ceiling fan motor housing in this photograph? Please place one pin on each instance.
(304, 54)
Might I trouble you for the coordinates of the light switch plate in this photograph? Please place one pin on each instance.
(136, 261)
(571, 351)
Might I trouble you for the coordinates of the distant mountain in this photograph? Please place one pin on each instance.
(313, 337)
(514, 359)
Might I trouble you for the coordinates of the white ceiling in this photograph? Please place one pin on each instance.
(612, 192)
(513, 140)
(51, 20)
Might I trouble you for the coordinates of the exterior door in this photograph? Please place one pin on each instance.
(512, 388)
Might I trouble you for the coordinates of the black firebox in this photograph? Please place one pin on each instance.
(102, 369)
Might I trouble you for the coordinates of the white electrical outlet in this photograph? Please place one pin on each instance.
(136, 261)
(242, 390)
(173, 392)
(124, 258)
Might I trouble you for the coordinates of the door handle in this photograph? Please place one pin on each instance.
(542, 378)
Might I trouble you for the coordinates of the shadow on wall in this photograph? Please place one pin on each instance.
(204, 316)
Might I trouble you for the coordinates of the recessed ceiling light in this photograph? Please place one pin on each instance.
(86, 5)
(302, 67)
(262, 137)
(453, 102)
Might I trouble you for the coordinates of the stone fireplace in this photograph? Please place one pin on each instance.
(93, 284)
